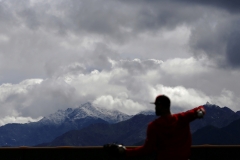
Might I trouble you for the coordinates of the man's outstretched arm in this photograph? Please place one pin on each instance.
(193, 114)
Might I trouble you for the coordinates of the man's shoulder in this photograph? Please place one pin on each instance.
(152, 125)
(157, 121)
(153, 122)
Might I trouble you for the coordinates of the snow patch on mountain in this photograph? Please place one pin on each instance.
(83, 111)
(147, 112)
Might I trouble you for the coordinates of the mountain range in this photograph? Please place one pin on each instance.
(56, 124)
(127, 132)
(133, 130)
(215, 116)
(89, 125)
(228, 135)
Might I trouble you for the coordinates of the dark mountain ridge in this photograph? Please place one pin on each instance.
(48, 128)
(215, 116)
(133, 130)
(229, 135)
(92, 126)
(126, 132)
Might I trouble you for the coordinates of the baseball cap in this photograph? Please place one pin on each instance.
(161, 99)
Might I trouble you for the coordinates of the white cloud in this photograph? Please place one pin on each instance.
(128, 86)
(226, 98)
(187, 98)
(185, 66)
(121, 103)
(182, 97)
(10, 119)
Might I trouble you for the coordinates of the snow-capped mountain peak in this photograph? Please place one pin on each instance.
(83, 111)
(55, 118)
(111, 116)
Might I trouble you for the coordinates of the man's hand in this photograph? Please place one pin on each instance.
(116, 150)
(201, 112)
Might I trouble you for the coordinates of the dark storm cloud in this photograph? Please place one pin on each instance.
(219, 40)
(163, 16)
(3, 12)
(110, 19)
(120, 22)
(214, 25)
(233, 49)
(231, 5)
(102, 17)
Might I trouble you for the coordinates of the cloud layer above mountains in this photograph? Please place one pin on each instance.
(116, 54)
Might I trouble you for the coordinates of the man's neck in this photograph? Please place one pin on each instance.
(166, 114)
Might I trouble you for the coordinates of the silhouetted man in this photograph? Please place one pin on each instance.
(169, 135)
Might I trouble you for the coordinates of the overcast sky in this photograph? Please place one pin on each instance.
(117, 54)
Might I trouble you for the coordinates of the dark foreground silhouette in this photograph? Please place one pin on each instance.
(202, 152)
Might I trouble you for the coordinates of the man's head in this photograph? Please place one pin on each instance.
(162, 105)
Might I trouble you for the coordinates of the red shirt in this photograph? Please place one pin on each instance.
(168, 136)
